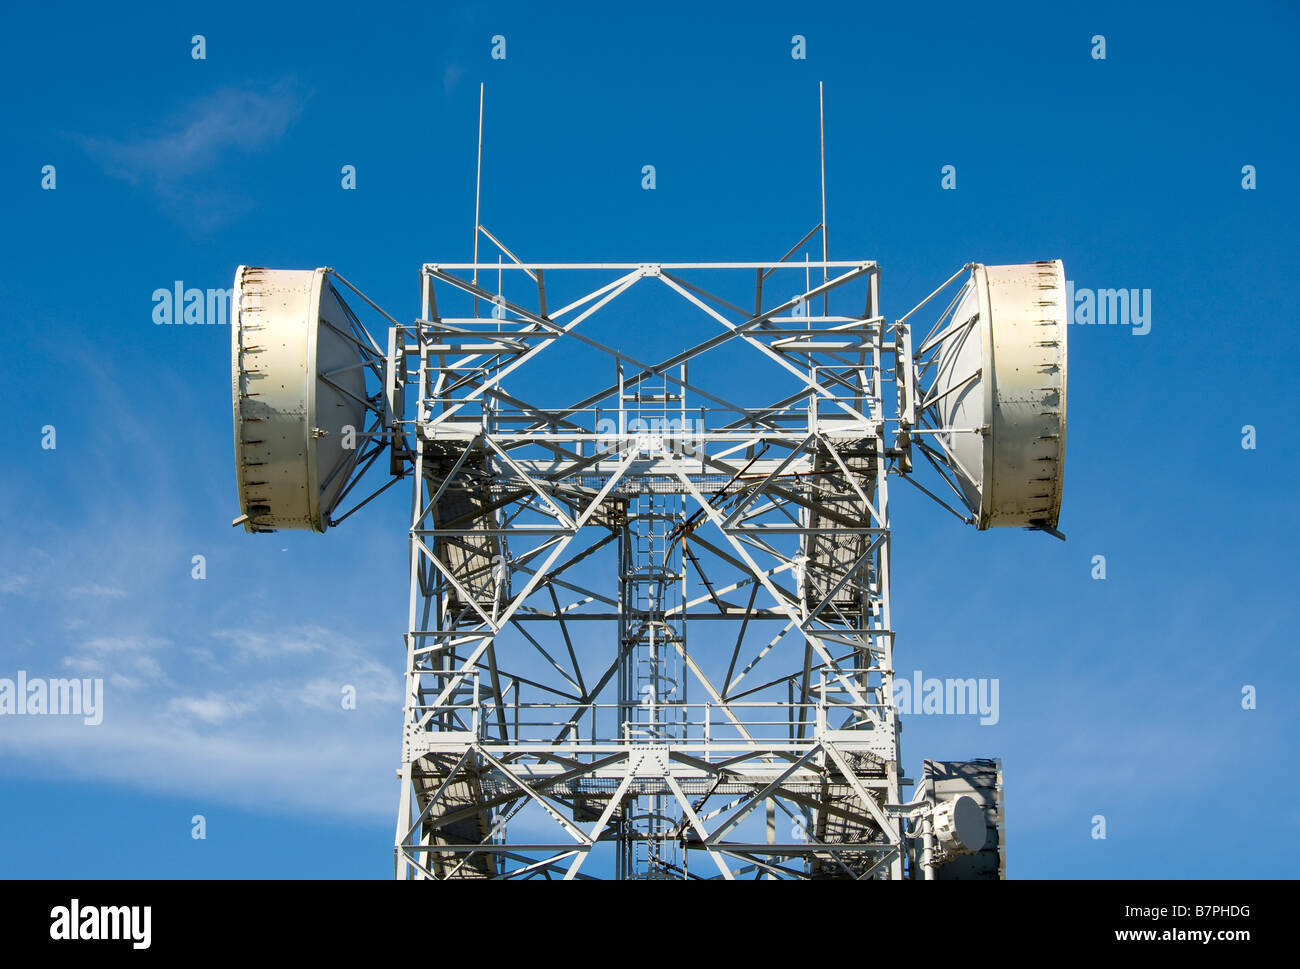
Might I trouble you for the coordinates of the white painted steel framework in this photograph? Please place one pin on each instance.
(649, 632)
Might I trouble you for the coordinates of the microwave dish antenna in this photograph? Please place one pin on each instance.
(988, 405)
(300, 361)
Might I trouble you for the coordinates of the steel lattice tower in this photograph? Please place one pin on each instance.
(649, 633)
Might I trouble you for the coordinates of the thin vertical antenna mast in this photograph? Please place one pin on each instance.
(821, 114)
(478, 187)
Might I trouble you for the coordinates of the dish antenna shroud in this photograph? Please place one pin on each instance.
(990, 383)
(298, 360)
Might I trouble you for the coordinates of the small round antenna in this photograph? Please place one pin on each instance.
(959, 825)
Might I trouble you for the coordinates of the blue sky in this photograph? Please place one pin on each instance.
(1119, 697)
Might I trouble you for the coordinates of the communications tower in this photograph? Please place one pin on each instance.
(649, 632)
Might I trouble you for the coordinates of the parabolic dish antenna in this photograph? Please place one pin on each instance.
(959, 825)
(992, 383)
(299, 394)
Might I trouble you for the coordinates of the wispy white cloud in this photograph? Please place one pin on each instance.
(212, 708)
(233, 698)
(14, 584)
(172, 159)
(250, 645)
(259, 733)
(95, 590)
(128, 662)
(450, 76)
(338, 769)
(203, 134)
